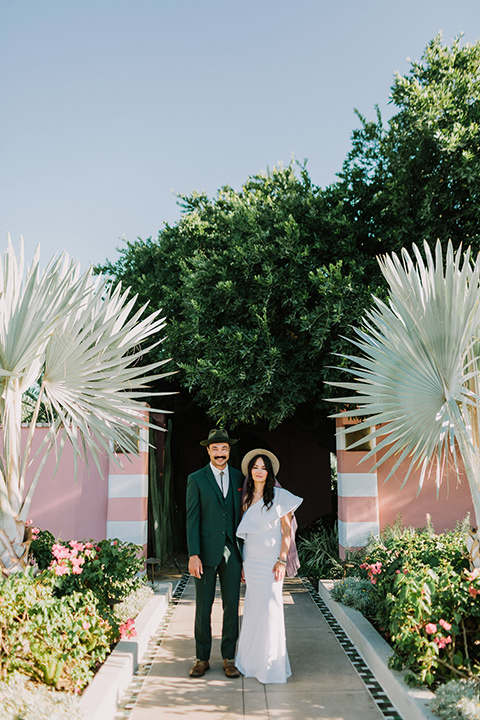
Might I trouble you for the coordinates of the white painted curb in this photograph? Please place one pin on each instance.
(411, 703)
(101, 698)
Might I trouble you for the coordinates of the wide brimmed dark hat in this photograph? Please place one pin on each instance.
(259, 451)
(218, 436)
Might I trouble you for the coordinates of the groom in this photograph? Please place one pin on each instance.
(214, 496)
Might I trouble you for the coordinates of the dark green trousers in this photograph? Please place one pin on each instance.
(229, 573)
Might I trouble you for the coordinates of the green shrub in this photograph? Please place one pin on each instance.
(22, 700)
(318, 552)
(56, 641)
(426, 599)
(41, 547)
(134, 603)
(110, 568)
(458, 700)
(356, 593)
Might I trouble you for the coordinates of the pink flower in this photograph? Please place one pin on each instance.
(430, 628)
(60, 552)
(373, 581)
(446, 626)
(85, 625)
(473, 591)
(61, 570)
(443, 642)
(76, 546)
(127, 629)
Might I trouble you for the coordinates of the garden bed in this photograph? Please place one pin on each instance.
(411, 703)
(100, 699)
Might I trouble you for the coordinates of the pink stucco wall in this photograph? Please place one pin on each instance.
(367, 502)
(104, 502)
(69, 509)
(450, 505)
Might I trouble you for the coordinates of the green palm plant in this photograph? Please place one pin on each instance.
(77, 341)
(417, 378)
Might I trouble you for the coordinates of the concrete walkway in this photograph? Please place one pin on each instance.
(324, 683)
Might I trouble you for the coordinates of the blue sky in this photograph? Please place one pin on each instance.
(110, 107)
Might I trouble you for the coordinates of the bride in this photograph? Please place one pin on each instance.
(266, 528)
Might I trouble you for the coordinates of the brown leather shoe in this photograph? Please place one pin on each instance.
(230, 670)
(200, 668)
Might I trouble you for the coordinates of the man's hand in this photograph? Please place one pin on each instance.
(195, 566)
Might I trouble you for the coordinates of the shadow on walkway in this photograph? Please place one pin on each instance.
(324, 683)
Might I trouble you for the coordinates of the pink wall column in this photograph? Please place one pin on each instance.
(367, 502)
(358, 507)
(127, 513)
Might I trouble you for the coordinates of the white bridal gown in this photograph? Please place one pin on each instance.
(262, 649)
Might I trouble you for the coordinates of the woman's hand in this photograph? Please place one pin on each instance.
(279, 570)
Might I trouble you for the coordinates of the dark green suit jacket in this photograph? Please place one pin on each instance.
(206, 514)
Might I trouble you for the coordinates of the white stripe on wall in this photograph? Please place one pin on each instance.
(134, 531)
(357, 484)
(127, 486)
(356, 534)
(143, 444)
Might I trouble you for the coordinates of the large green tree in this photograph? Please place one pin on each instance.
(255, 298)
(260, 285)
(418, 177)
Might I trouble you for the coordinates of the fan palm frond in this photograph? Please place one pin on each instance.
(78, 342)
(416, 379)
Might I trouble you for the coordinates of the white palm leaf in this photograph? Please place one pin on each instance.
(416, 380)
(81, 342)
(91, 378)
(30, 308)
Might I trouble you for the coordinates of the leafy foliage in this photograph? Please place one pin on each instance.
(109, 568)
(418, 178)
(318, 552)
(21, 698)
(355, 593)
(56, 641)
(260, 285)
(426, 601)
(255, 295)
(457, 700)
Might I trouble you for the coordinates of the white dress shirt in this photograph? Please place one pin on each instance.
(223, 486)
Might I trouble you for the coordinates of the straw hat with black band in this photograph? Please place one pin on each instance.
(260, 451)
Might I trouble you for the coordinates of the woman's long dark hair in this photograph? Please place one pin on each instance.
(268, 488)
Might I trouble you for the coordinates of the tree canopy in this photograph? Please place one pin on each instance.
(418, 178)
(254, 301)
(261, 284)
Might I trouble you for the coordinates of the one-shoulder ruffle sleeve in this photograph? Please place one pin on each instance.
(258, 518)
